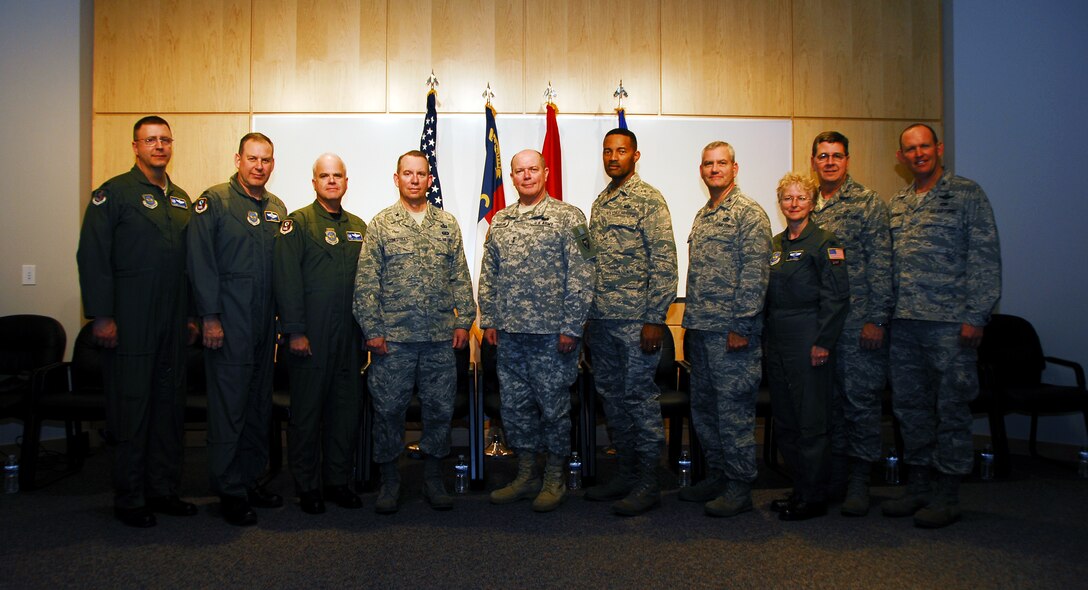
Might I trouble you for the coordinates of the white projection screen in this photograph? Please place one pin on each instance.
(670, 148)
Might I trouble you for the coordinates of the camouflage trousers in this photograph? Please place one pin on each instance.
(860, 377)
(392, 377)
(624, 377)
(933, 381)
(534, 382)
(724, 387)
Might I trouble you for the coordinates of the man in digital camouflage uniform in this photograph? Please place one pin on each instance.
(947, 278)
(132, 276)
(536, 284)
(230, 261)
(413, 300)
(316, 255)
(635, 283)
(859, 218)
(730, 245)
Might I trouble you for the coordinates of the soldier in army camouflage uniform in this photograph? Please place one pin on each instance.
(536, 284)
(859, 218)
(413, 298)
(947, 279)
(230, 262)
(636, 282)
(729, 246)
(316, 255)
(132, 276)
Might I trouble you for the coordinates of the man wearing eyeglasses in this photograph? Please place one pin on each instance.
(230, 262)
(947, 278)
(131, 262)
(859, 218)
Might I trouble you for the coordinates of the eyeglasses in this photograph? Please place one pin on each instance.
(833, 157)
(801, 200)
(150, 141)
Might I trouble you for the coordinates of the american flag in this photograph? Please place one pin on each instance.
(428, 144)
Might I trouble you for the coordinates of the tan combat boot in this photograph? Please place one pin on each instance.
(526, 485)
(554, 492)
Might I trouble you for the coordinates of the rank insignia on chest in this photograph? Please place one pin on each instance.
(179, 202)
(776, 257)
(287, 226)
(795, 255)
(149, 201)
(201, 205)
(98, 197)
(271, 216)
(253, 218)
(354, 236)
(330, 236)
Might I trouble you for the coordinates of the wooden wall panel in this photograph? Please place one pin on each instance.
(319, 56)
(171, 56)
(872, 150)
(586, 47)
(203, 150)
(860, 58)
(728, 58)
(467, 43)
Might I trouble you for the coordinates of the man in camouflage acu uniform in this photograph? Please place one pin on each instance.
(536, 284)
(859, 218)
(230, 262)
(729, 246)
(412, 295)
(636, 282)
(947, 278)
(313, 276)
(132, 276)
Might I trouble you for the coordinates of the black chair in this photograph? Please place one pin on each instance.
(1011, 364)
(281, 413)
(27, 343)
(466, 406)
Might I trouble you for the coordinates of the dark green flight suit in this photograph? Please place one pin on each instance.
(132, 267)
(808, 297)
(313, 279)
(230, 265)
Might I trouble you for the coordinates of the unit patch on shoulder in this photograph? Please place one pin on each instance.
(98, 197)
(330, 236)
(149, 201)
(776, 257)
(179, 202)
(287, 226)
(354, 236)
(271, 216)
(582, 239)
(253, 218)
(201, 205)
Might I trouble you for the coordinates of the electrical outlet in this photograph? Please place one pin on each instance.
(30, 274)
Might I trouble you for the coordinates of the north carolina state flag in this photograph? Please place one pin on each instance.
(553, 156)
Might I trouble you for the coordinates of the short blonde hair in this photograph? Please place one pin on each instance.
(806, 182)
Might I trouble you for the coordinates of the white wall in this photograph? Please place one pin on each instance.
(45, 71)
(1016, 116)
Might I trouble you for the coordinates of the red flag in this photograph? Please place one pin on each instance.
(553, 156)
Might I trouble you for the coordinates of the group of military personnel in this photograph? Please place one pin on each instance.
(232, 268)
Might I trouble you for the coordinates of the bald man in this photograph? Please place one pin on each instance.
(314, 282)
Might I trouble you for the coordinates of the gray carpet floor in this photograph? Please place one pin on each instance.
(1029, 531)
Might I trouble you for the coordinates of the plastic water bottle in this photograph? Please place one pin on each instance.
(986, 464)
(891, 469)
(460, 484)
(11, 475)
(574, 473)
(684, 476)
(1082, 463)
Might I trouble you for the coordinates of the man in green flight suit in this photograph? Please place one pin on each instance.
(132, 277)
(230, 262)
(313, 279)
